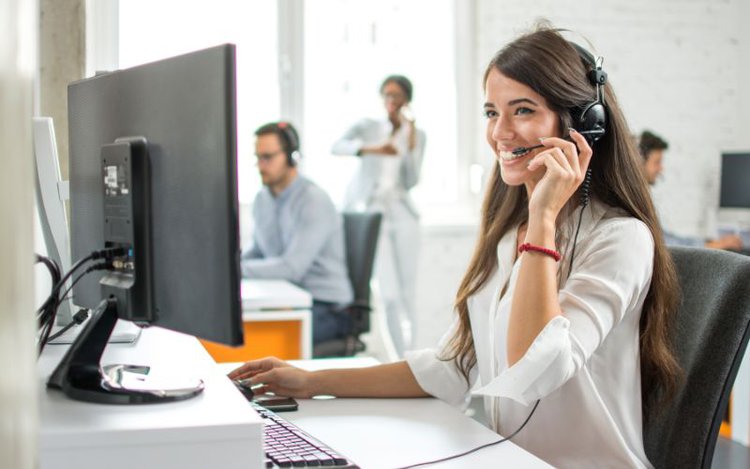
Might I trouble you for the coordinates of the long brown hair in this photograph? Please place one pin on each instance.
(544, 61)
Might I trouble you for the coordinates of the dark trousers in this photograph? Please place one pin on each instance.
(328, 321)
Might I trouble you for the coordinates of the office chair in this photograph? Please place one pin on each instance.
(710, 337)
(361, 232)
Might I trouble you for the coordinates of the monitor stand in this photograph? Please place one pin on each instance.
(80, 376)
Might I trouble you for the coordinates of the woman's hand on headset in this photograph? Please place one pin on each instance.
(564, 164)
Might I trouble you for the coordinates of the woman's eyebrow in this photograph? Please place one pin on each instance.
(513, 102)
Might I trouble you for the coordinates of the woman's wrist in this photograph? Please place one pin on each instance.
(541, 221)
(315, 383)
(541, 232)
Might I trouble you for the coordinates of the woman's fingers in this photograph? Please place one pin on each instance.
(584, 149)
(569, 151)
(282, 381)
(254, 367)
(554, 160)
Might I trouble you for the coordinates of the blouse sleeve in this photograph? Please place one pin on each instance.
(441, 378)
(610, 281)
(352, 141)
(411, 165)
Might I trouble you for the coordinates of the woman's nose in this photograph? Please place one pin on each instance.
(502, 130)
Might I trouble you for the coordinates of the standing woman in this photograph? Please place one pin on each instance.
(563, 315)
(390, 152)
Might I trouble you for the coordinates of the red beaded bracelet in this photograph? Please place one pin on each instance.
(532, 247)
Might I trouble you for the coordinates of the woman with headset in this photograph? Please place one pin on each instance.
(563, 314)
(390, 152)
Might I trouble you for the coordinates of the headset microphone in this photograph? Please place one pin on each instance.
(589, 134)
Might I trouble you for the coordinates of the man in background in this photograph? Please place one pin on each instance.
(652, 149)
(298, 235)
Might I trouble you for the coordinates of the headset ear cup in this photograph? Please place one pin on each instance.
(293, 158)
(289, 135)
(592, 121)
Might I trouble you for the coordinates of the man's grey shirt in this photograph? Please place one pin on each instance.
(299, 237)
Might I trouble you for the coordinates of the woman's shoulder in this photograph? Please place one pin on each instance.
(616, 225)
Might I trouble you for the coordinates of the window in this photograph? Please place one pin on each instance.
(151, 31)
(319, 64)
(350, 46)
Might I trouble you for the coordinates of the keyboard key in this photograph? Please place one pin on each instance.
(288, 446)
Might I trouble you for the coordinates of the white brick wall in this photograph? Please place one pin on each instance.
(677, 68)
(443, 257)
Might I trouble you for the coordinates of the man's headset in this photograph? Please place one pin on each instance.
(291, 142)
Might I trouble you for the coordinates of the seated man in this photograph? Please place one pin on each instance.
(298, 235)
(652, 149)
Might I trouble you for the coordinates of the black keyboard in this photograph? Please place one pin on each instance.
(286, 445)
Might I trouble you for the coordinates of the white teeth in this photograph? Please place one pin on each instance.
(509, 156)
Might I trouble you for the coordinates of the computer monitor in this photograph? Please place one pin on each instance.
(153, 173)
(735, 180)
(51, 195)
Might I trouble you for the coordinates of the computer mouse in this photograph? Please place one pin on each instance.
(245, 388)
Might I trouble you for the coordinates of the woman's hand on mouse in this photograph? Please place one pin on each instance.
(276, 376)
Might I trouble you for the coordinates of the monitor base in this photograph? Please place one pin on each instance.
(80, 376)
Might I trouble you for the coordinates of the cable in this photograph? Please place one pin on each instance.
(478, 447)
(78, 319)
(108, 254)
(585, 198)
(81, 315)
(52, 267)
(107, 265)
(48, 311)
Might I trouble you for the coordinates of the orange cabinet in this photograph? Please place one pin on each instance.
(284, 334)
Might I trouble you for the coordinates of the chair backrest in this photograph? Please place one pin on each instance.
(361, 234)
(710, 338)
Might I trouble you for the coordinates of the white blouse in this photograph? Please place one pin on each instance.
(584, 366)
(381, 180)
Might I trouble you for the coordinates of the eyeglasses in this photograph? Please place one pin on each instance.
(394, 96)
(266, 157)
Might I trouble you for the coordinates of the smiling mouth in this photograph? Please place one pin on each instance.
(510, 156)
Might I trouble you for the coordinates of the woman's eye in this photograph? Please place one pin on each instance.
(523, 110)
(489, 114)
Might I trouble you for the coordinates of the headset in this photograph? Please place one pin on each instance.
(288, 133)
(591, 120)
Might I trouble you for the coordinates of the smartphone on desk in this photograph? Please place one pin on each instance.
(276, 403)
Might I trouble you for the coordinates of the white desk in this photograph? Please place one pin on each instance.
(387, 433)
(259, 294)
(213, 429)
